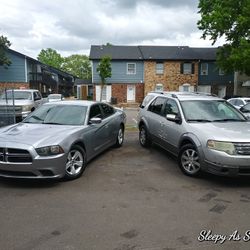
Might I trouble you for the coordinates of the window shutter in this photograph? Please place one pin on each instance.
(181, 68)
(192, 68)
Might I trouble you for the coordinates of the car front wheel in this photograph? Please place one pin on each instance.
(120, 137)
(76, 163)
(144, 137)
(188, 160)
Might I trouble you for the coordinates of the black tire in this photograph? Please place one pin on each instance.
(144, 138)
(76, 163)
(188, 160)
(120, 137)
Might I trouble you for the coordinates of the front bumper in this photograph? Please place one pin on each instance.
(38, 167)
(222, 164)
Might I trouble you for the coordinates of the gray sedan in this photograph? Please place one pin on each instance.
(58, 139)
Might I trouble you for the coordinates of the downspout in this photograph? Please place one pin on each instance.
(25, 69)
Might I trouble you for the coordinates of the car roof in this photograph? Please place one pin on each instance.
(54, 95)
(241, 98)
(72, 102)
(186, 95)
(25, 90)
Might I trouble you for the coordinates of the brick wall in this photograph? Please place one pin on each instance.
(13, 85)
(139, 92)
(119, 91)
(171, 79)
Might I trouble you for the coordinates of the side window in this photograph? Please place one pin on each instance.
(107, 110)
(36, 96)
(156, 105)
(146, 100)
(95, 111)
(171, 108)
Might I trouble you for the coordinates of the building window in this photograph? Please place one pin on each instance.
(204, 69)
(221, 72)
(131, 68)
(186, 87)
(159, 87)
(187, 68)
(159, 68)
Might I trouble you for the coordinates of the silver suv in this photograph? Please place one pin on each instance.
(206, 133)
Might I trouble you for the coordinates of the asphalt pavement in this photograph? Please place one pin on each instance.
(129, 198)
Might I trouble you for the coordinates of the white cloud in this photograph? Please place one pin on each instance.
(73, 26)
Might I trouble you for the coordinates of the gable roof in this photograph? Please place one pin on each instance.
(115, 52)
(48, 67)
(152, 52)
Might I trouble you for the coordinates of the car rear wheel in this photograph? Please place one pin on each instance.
(120, 137)
(144, 137)
(188, 160)
(76, 163)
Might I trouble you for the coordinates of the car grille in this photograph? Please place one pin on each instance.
(10, 109)
(15, 155)
(242, 148)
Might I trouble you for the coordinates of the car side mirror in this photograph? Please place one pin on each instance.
(173, 118)
(141, 106)
(95, 120)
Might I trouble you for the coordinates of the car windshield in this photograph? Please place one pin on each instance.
(58, 114)
(247, 107)
(18, 95)
(210, 111)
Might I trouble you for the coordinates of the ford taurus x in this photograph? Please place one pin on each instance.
(206, 133)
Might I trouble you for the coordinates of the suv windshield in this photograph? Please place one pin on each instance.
(18, 95)
(210, 111)
(58, 114)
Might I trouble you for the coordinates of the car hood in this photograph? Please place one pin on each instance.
(37, 135)
(17, 102)
(224, 131)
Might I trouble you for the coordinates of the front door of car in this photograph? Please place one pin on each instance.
(98, 132)
(172, 130)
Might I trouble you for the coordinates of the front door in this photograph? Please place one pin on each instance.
(131, 93)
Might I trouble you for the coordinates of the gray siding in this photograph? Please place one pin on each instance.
(119, 72)
(213, 77)
(15, 72)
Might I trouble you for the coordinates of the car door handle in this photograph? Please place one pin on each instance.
(162, 123)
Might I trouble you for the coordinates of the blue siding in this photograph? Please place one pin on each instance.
(119, 72)
(213, 77)
(15, 72)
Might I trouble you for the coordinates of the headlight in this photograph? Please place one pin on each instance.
(26, 108)
(227, 147)
(50, 150)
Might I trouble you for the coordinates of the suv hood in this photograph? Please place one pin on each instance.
(224, 131)
(37, 135)
(17, 102)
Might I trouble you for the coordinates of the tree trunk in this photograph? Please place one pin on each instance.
(101, 92)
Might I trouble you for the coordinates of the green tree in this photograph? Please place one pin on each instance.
(229, 19)
(4, 45)
(77, 65)
(105, 71)
(51, 57)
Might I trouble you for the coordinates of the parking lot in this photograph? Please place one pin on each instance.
(127, 199)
